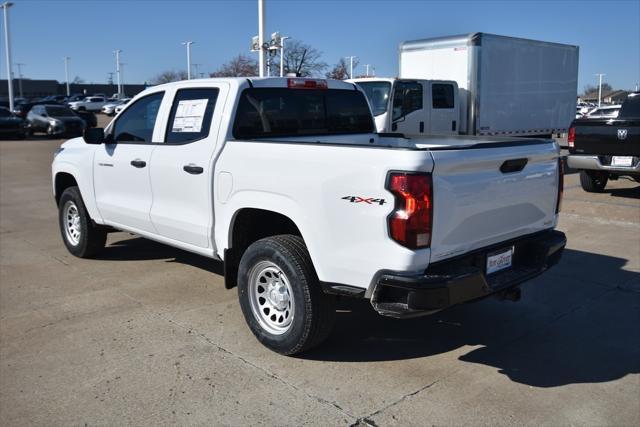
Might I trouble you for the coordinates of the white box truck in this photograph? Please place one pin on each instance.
(478, 84)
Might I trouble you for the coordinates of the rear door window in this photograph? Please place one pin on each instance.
(442, 95)
(191, 115)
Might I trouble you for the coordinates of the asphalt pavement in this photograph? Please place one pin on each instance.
(148, 335)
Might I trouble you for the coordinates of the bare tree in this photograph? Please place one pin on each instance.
(169, 76)
(606, 87)
(78, 80)
(301, 59)
(240, 66)
(340, 71)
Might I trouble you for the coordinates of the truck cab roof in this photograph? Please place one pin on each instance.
(262, 82)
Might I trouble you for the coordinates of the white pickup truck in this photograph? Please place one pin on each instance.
(286, 181)
(90, 103)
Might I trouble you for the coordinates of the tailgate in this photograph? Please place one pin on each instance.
(607, 137)
(477, 204)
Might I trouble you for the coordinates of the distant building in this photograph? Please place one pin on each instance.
(40, 88)
(608, 97)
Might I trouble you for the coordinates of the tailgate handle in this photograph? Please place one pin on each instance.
(513, 165)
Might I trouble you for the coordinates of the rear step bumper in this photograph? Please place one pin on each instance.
(592, 162)
(463, 279)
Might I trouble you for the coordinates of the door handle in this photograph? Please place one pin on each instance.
(192, 169)
(513, 165)
(138, 163)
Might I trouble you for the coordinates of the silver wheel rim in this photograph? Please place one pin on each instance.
(72, 223)
(271, 297)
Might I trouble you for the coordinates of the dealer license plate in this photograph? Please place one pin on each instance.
(621, 161)
(497, 261)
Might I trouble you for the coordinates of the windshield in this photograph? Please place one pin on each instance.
(59, 112)
(378, 94)
(265, 112)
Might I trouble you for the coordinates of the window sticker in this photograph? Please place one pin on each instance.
(189, 115)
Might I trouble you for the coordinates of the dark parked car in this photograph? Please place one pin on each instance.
(75, 97)
(11, 125)
(55, 98)
(89, 118)
(606, 148)
(55, 120)
(21, 110)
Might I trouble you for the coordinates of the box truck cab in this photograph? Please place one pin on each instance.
(413, 107)
(505, 86)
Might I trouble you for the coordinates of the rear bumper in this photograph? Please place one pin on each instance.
(464, 279)
(592, 162)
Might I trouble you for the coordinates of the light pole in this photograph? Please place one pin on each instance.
(20, 64)
(6, 5)
(124, 95)
(188, 45)
(66, 73)
(282, 39)
(367, 72)
(261, 19)
(196, 67)
(351, 58)
(600, 87)
(117, 52)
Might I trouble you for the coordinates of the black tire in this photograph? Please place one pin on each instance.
(593, 181)
(314, 311)
(92, 238)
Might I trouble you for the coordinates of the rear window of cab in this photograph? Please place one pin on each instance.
(283, 112)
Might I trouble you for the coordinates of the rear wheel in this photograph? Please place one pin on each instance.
(280, 296)
(593, 181)
(81, 236)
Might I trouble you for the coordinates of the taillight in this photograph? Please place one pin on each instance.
(560, 183)
(307, 84)
(571, 137)
(410, 223)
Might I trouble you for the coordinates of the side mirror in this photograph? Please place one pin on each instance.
(93, 135)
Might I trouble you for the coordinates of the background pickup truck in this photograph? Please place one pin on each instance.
(286, 181)
(603, 149)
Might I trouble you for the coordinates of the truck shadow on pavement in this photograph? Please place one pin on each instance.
(140, 249)
(629, 193)
(577, 323)
(568, 328)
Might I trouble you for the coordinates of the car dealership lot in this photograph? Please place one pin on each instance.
(147, 334)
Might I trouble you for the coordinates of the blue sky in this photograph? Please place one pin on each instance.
(149, 32)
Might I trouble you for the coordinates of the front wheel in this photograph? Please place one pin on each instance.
(593, 181)
(280, 296)
(81, 236)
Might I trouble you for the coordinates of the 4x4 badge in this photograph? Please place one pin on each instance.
(622, 134)
(367, 200)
